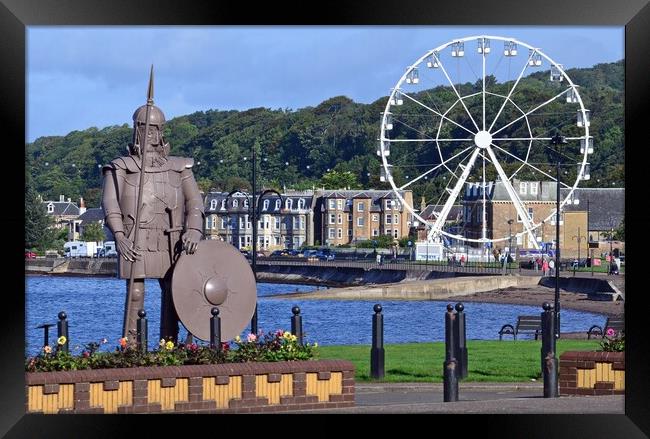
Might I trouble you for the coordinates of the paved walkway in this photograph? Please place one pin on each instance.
(473, 398)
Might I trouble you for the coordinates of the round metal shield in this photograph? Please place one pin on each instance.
(216, 275)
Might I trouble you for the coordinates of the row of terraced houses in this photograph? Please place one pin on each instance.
(340, 217)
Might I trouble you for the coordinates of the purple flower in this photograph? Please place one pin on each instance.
(610, 332)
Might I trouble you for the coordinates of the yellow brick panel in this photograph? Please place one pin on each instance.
(52, 403)
(273, 391)
(167, 397)
(222, 393)
(110, 400)
(324, 388)
(619, 380)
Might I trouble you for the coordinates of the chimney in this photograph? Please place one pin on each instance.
(61, 198)
(82, 206)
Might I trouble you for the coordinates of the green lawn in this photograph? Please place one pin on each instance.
(502, 361)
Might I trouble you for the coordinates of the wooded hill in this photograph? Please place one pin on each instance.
(296, 148)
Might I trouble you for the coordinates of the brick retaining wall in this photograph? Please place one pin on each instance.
(217, 388)
(592, 373)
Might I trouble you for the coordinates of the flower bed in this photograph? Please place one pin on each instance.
(595, 373)
(265, 372)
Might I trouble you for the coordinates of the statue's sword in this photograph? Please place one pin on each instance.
(142, 151)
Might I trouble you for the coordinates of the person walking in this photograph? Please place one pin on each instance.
(551, 267)
(544, 268)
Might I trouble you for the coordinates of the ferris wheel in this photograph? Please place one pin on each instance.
(475, 117)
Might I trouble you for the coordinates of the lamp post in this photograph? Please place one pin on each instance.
(578, 238)
(557, 141)
(510, 221)
(611, 237)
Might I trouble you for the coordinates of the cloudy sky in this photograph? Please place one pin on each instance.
(80, 77)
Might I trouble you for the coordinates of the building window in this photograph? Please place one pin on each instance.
(332, 204)
(360, 207)
(375, 217)
(301, 203)
(277, 223)
(522, 188)
(331, 232)
(235, 203)
(276, 240)
(248, 223)
(533, 188)
(332, 218)
(340, 218)
(395, 219)
(340, 233)
(530, 215)
(289, 204)
(389, 204)
(245, 202)
(213, 205)
(349, 217)
(349, 232)
(223, 204)
(375, 232)
(294, 223)
(241, 222)
(278, 202)
(395, 233)
(266, 205)
(360, 221)
(208, 222)
(224, 223)
(388, 219)
(339, 204)
(302, 222)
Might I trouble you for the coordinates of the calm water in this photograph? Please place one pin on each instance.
(95, 310)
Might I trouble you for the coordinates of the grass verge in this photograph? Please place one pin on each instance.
(488, 361)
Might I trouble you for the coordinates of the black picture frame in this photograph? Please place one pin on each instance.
(15, 15)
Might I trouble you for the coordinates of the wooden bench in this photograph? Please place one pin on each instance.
(616, 323)
(525, 324)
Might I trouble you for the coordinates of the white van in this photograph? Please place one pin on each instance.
(109, 250)
(80, 249)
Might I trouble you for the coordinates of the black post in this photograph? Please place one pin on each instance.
(46, 333)
(557, 140)
(461, 345)
(296, 324)
(450, 376)
(62, 331)
(549, 360)
(215, 329)
(377, 350)
(142, 331)
(254, 256)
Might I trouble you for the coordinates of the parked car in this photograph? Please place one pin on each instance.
(30, 255)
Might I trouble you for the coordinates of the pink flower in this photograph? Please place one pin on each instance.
(610, 332)
(251, 338)
(86, 354)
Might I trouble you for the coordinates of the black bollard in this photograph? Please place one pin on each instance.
(549, 361)
(142, 331)
(46, 333)
(296, 324)
(254, 322)
(215, 329)
(62, 331)
(461, 345)
(449, 373)
(377, 350)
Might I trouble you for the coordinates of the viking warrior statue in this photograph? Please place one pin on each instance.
(155, 215)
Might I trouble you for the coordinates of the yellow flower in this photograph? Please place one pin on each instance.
(293, 338)
(62, 340)
(315, 345)
(286, 335)
(169, 345)
(238, 339)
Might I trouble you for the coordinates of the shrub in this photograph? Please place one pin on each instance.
(613, 341)
(277, 346)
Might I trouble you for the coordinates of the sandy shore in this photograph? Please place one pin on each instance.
(538, 295)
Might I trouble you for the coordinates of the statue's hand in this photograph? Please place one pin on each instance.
(125, 247)
(191, 240)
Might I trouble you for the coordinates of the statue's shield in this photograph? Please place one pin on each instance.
(216, 275)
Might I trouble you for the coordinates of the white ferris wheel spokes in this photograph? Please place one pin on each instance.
(457, 135)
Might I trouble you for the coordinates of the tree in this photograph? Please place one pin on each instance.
(619, 232)
(37, 222)
(93, 232)
(338, 180)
